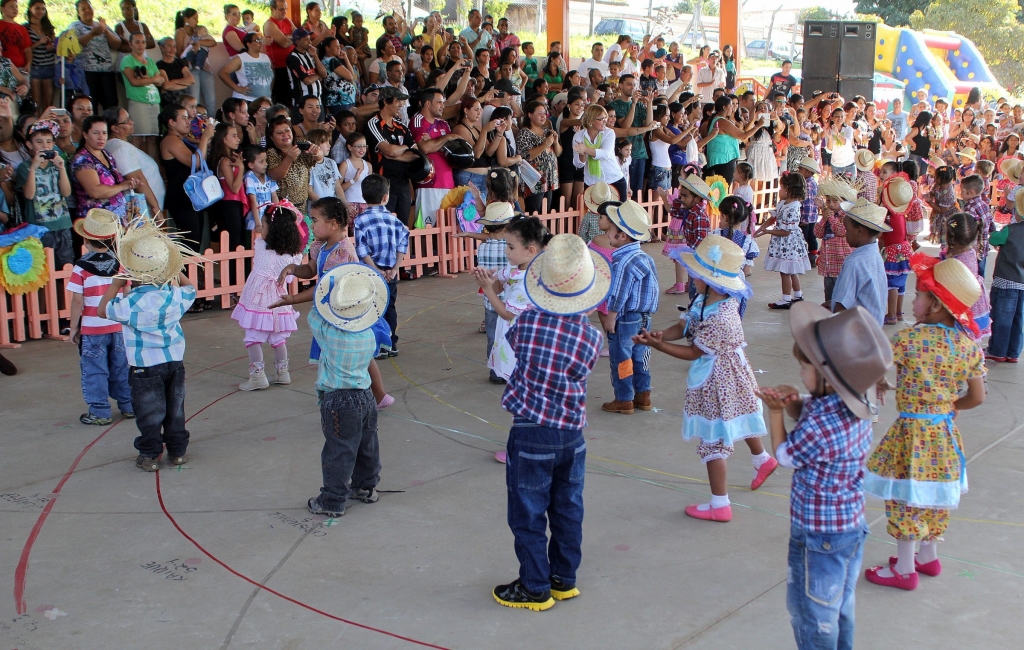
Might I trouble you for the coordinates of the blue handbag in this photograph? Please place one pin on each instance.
(202, 186)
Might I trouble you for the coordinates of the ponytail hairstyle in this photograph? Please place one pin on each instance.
(734, 211)
(282, 233)
(962, 231)
(501, 185)
(910, 168)
(529, 230)
(179, 18)
(944, 175)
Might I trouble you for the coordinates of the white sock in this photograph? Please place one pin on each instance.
(905, 557)
(786, 298)
(716, 502)
(929, 551)
(760, 459)
(255, 354)
(798, 294)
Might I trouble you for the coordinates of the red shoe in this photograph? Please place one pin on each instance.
(933, 568)
(763, 472)
(711, 514)
(907, 582)
(1010, 359)
(989, 357)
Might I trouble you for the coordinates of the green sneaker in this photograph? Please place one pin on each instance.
(89, 418)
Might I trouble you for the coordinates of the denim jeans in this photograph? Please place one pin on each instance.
(661, 177)
(63, 249)
(391, 313)
(637, 173)
(351, 450)
(823, 572)
(1007, 322)
(490, 322)
(158, 395)
(544, 477)
(462, 177)
(105, 373)
(982, 264)
(204, 90)
(830, 285)
(630, 363)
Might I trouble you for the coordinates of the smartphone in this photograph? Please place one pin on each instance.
(60, 112)
(499, 93)
(764, 116)
(303, 145)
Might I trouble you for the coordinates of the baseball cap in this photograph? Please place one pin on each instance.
(299, 34)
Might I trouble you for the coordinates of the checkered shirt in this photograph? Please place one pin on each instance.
(151, 318)
(344, 356)
(381, 236)
(696, 223)
(490, 255)
(828, 448)
(833, 250)
(634, 281)
(809, 206)
(554, 357)
(979, 208)
(869, 187)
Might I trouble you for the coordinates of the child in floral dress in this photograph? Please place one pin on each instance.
(942, 200)
(787, 251)
(919, 466)
(720, 406)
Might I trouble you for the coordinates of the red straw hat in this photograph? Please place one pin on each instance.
(952, 283)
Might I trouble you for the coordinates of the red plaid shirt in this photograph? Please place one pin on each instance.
(696, 223)
(834, 249)
(979, 208)
(869, 186)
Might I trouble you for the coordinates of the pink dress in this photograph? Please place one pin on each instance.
(262, 290)
(607, 254)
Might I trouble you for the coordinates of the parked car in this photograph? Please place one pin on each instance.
(778, 51)
(636, 29)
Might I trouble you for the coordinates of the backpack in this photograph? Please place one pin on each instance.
(202, 186)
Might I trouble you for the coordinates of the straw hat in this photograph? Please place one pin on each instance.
(837, 187)
(1011, 168)
(951, 282)
(598, 193)
(865, 160)
(809, 163)
(149, 255)
(866, 214)
(848, 349)
(497, 214)
(1018, 204)
(351, 297)
(897, 195)
(969, 153)
(696, 184)
(718, 262)
(936, 161)
(974, 137)
(632, 219)
(97, 224)
(567, 277)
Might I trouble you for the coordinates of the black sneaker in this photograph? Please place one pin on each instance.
(516, 596)
(562, 590)
(314, 507)
(366, 495)
(393, 352)
(495, 379)
(147, 463)
(780, 304)
(89, 418)
(382, 356)
(797, 298)
(128, 416)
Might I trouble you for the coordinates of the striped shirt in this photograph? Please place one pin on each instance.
(92, 287)
(634, 281)
(151, 317)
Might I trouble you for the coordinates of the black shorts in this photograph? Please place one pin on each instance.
(812, 241)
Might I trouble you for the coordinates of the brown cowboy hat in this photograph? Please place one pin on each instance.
(848, 349)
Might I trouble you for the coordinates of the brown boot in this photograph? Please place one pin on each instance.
(625, 408)
(643, 401)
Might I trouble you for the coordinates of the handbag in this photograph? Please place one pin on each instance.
(202, 186)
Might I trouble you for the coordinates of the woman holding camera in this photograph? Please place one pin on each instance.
(289, 161)
(142, 82)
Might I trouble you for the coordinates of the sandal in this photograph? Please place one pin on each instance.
(890, 321)
(676, 289)
(483, 327)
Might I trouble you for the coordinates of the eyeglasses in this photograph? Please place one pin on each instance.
(128, 121)
(359, 146)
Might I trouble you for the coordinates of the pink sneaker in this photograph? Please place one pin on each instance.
(604, 351)
(385, 402)
(501, 456)
(766, 469)
(933, 568)
(907, 582)
(711, 514)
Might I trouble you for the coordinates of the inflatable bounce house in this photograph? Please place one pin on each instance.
(944, 64)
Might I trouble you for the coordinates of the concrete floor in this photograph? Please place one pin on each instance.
(109, 569)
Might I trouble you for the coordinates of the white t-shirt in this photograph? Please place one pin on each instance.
(842, 154)
(590, 64)
(322, 178)
(130, 158)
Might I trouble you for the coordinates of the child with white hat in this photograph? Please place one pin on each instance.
(350, 298)
(831, 231)
(556, 349)
(807, 168)
(150, 316)
(862, 280)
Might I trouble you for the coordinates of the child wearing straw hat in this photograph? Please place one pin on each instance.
(349, 299)
(831, 231)
(842, 358)
(690, 222)
(150, 316)
(897, 195)
(867, 182)
(972, 194)
(556, 349)
(631, 301)
(968, 157)
(598, 193)
(1010, 169)
(720, 406)
(807, 168)
(1007, 295)
(919, 465)
(103, 361)
(862, 281)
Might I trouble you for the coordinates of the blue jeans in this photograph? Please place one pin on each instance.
(1007, 322)
(351, 449)
(158, 395)
(105, 373)
(462, 177)
(660, 177)
(490, 322)
(544, 477)
(982, 263)
(391, 313)
(823, 571)
(637, 172)
(203, 90)
(630, 363)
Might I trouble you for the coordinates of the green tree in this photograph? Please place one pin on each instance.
(818, 13)
(893, 12)
(708, 7)
(496, 8)
(991, 24)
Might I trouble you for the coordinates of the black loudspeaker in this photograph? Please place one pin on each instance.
(822, 45)
(850, 87)
(857, 53)
(808, 85)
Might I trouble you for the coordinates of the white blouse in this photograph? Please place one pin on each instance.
(610, 170)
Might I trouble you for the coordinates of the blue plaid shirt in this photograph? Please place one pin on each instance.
(344, 356)
(381, 236)
(809, 206)
(634, 281)
(151, 318)
(554, 357)
(827, 448)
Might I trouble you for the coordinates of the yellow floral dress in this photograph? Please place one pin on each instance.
(919, 466)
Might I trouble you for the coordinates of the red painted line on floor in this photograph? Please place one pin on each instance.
(216, 366)
(213, 557)
(21, 571)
